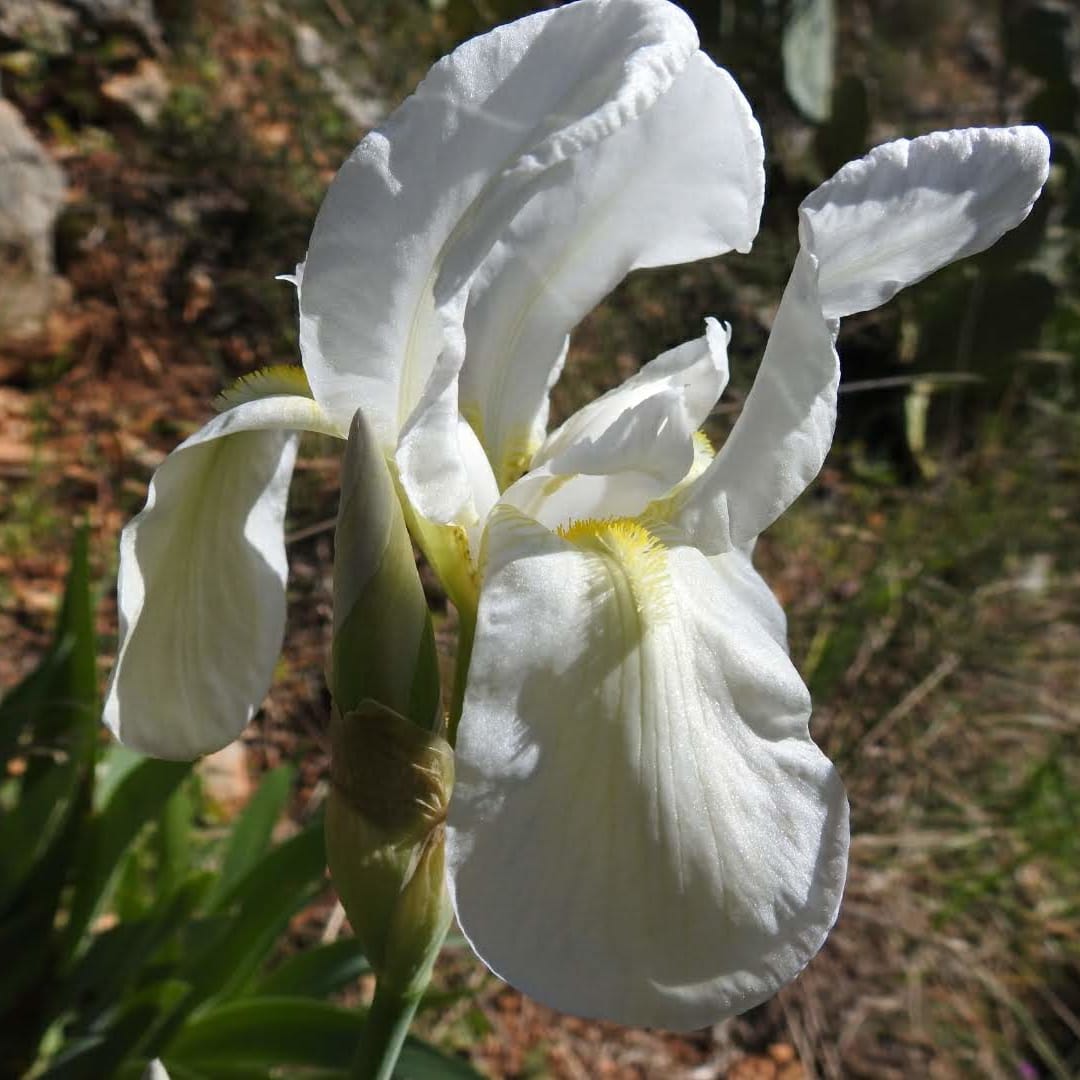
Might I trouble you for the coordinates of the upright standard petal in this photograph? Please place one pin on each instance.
(883, 222)
(683, 181)
(642, 829)
(425, 195)
(202, 582)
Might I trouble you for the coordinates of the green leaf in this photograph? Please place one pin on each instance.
(119, 1034)
(221, 1071)
(32, 826)
(57, 703)
(137, 800)
(174, 831)
(266, 1033)
(22, 705)
(80, 703)
(316, 972)
(807, 48)
(27, 948)
(64, 712)
(421, 1061)
(119, 958)
(116, 762)
(28, 941)
(51, 722)
(252, 830)
(259, 907)
(52, 718)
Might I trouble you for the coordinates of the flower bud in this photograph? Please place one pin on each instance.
(391, 771)
(384, 647)
(390, 788)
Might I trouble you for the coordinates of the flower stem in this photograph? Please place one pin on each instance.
(384, 1031)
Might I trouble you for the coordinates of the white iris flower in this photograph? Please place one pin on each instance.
(642, 828)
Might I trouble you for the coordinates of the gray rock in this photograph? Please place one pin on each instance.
(31, 194)
(43, 25)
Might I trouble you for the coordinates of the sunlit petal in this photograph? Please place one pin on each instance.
(881, 223)
(443, 469)
(560, 500)
(420, 201)
(632, 444)
(736, 569)
(683, 182)
(695, 373)
(202, 582)
(911, 206)
(642, 829)
(783, 432)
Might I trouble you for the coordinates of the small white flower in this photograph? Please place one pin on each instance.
(642, 828)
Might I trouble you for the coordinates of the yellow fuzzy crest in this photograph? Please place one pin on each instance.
(267, 382)
(635, 551)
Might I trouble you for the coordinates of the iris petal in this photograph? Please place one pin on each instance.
(202, 582)
(633, 444)
(421, 199)
(682, 182)
(642, 829)
(883, 222)
(911, 206)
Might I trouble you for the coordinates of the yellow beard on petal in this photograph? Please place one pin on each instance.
(703, 451)
(288, 379)
(631, 551)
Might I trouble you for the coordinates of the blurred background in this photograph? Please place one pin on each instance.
(160, 162)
